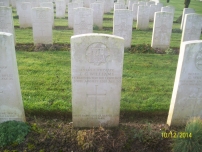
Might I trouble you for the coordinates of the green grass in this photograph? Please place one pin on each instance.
(147, 78)
(46, 84)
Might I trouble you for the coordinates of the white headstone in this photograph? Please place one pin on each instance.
(168, 9)
(186, 11)
(71, 7)
(49, 5)
(67, 1)
(60, 8)
(97, 14)
(5, 3)
(121, 1)
(119, 6)
(42, 25)
(135, 8)
(96, 68)
(142, 17)
(6, 20)
(122, 25)
(186, 99)
(83, 20)
(162, 29)
(141, 3)
(80, 2)
(13, 3)
(25, 18)
(152, 10)
(107, 6)
(86, 3)
(192, 27)
(158, 7)
(11, 105)
(130, 4)
(150, 2)
(35, 3)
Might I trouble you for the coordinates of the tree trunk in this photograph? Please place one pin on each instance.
(186, 3)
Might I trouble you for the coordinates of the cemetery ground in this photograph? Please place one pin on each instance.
(148, 78)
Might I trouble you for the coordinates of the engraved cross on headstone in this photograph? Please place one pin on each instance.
(96, 95)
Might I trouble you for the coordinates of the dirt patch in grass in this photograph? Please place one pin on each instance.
(137, 133)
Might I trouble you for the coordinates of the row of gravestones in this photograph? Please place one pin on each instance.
(96, 70)
(42, 22)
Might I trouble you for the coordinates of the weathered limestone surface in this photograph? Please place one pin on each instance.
(83, 20)
(6, 20)
(71, 7)
(49, 5)
(5, 3)
(162, 29)
(186, 11)
(122, 25)
(142, 17)
(119, 6)
(42, 25)
(60, 8)
(25, 18)
(11, 105)
(192, 27)
(135, 8)
(96, 68)
(186, 99)
(97, 14)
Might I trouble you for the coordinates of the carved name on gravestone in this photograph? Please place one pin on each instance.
(142, 17)
(96, 67)
(186, 99)
(122, 25)
(162, 30)
(71, 7)
(186, 11)
(60, 8)
(25, 18)
(83, 20)
(192, 27)
(42, 25)
(97, 14)
(6, 20)
(11, 105)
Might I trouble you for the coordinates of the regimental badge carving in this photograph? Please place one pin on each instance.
(198, 60)
(97, 53)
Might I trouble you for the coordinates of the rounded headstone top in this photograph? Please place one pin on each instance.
(96, 34)
(5, 33)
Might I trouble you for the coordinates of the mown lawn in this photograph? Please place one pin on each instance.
(147, 78)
